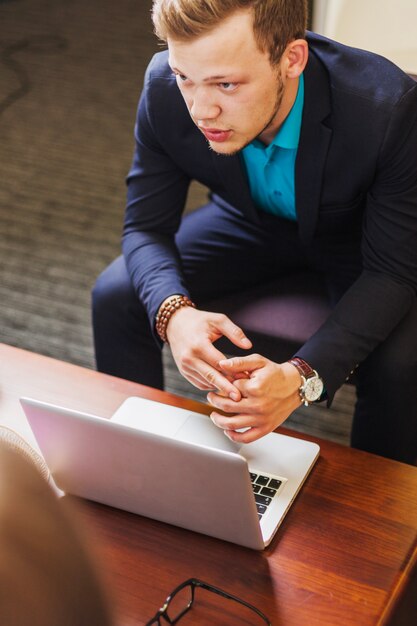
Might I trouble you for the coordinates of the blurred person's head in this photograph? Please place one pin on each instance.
(46, 575)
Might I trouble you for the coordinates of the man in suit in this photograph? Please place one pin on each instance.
(309, 150)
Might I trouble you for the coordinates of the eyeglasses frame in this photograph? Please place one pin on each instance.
(194, 583)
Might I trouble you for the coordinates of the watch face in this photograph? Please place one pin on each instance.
(313, 389)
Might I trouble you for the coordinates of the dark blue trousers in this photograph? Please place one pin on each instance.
(222, 253)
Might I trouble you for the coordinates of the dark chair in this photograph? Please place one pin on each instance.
(279, 316)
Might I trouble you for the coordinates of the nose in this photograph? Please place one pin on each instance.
(202, 105)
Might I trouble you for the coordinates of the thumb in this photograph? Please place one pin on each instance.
(242, 364)
(235, 334)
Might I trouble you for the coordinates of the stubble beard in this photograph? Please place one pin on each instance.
(277, 106)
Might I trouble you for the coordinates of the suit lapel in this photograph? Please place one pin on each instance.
(313, 147)
(232, 173)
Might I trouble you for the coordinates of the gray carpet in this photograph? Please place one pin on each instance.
(70, 75)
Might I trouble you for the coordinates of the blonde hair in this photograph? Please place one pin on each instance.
(275, 22)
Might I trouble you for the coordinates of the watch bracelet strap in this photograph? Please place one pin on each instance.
(303, 367)
(167, 310)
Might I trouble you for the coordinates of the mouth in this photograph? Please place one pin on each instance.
(216, 135)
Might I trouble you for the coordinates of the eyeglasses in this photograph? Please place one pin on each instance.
(180, 601)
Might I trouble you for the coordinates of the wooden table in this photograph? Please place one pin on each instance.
(345, 554)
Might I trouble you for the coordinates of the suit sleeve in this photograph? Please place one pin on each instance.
(385, 291)
(156, 196)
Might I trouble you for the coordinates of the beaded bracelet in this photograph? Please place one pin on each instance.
(166, 311)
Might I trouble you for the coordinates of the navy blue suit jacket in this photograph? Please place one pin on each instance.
(355, 180)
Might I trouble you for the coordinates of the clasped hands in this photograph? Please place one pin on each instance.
(255, 393)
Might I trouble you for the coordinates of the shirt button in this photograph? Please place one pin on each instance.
(277, 192)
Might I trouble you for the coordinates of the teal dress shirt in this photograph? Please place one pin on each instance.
(271, 168)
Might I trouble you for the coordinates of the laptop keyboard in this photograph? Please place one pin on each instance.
(265, 488)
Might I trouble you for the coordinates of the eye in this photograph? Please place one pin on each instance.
(180, 77)
(228, 86)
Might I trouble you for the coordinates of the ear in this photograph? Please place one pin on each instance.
(295, 58)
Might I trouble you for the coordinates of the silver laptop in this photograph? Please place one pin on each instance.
(174, 465)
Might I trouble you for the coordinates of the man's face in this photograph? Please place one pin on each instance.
(232, 92)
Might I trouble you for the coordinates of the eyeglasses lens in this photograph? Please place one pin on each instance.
(179, 603)
(210, 608)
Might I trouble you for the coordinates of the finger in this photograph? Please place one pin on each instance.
(232, 422)
(198, 382)
(233, 332)
(244, 385)
(210, 377)
(253, 434)
(210, 354)
(193, 376)
(240, 376)
(216, 380)
(194, 368)
(242, 363)
(247, 389)
(227, 405)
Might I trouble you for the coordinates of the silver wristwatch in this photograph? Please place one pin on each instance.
(312, 386)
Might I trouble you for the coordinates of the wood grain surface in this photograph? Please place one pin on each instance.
(346, 552)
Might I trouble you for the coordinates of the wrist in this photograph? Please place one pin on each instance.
(292, 379)
(167, 309)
